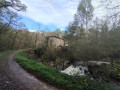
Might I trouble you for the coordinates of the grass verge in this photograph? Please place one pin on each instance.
(55, 77)
(4, 54)
(5, 51)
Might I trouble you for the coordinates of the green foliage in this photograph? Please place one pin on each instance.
(84, 12)
(115, 71)
(93, 44)
(46, 53)
(96, 42)
(51, 53)
(39, 52)
(106, 73)
(10, 21)
(55, 77)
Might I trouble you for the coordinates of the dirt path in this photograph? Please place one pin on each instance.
(13, 77)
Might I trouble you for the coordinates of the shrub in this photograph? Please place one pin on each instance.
(39, 52)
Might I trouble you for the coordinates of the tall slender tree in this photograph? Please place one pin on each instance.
(84, 13)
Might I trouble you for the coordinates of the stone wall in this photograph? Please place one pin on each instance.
(55, 41)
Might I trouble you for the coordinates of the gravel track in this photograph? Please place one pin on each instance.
(13, 77)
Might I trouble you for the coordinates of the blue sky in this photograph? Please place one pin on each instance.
(50, 14)
(33, 25)
(53, 14)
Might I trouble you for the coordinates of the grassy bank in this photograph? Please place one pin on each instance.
(5, 53)
(55, 77)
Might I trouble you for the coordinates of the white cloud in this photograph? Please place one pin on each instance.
(55, 12)
(32, 30)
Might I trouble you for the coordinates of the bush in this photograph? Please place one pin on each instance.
(39, 52)
(51, 53)
(115, 72)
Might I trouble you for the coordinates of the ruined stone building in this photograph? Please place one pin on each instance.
(54, 41)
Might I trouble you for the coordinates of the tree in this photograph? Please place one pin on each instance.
(10, 23)
(112, 8)
(10, 20)
(16, 4)
(81, 19)
(84, 13)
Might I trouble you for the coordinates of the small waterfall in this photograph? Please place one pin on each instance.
(76, 70)
(81, 69)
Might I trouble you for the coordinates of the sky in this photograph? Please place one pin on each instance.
(50, 15)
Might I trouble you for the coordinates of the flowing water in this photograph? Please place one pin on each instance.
(81, 68)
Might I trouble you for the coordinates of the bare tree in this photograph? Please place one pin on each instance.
(16, 4)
